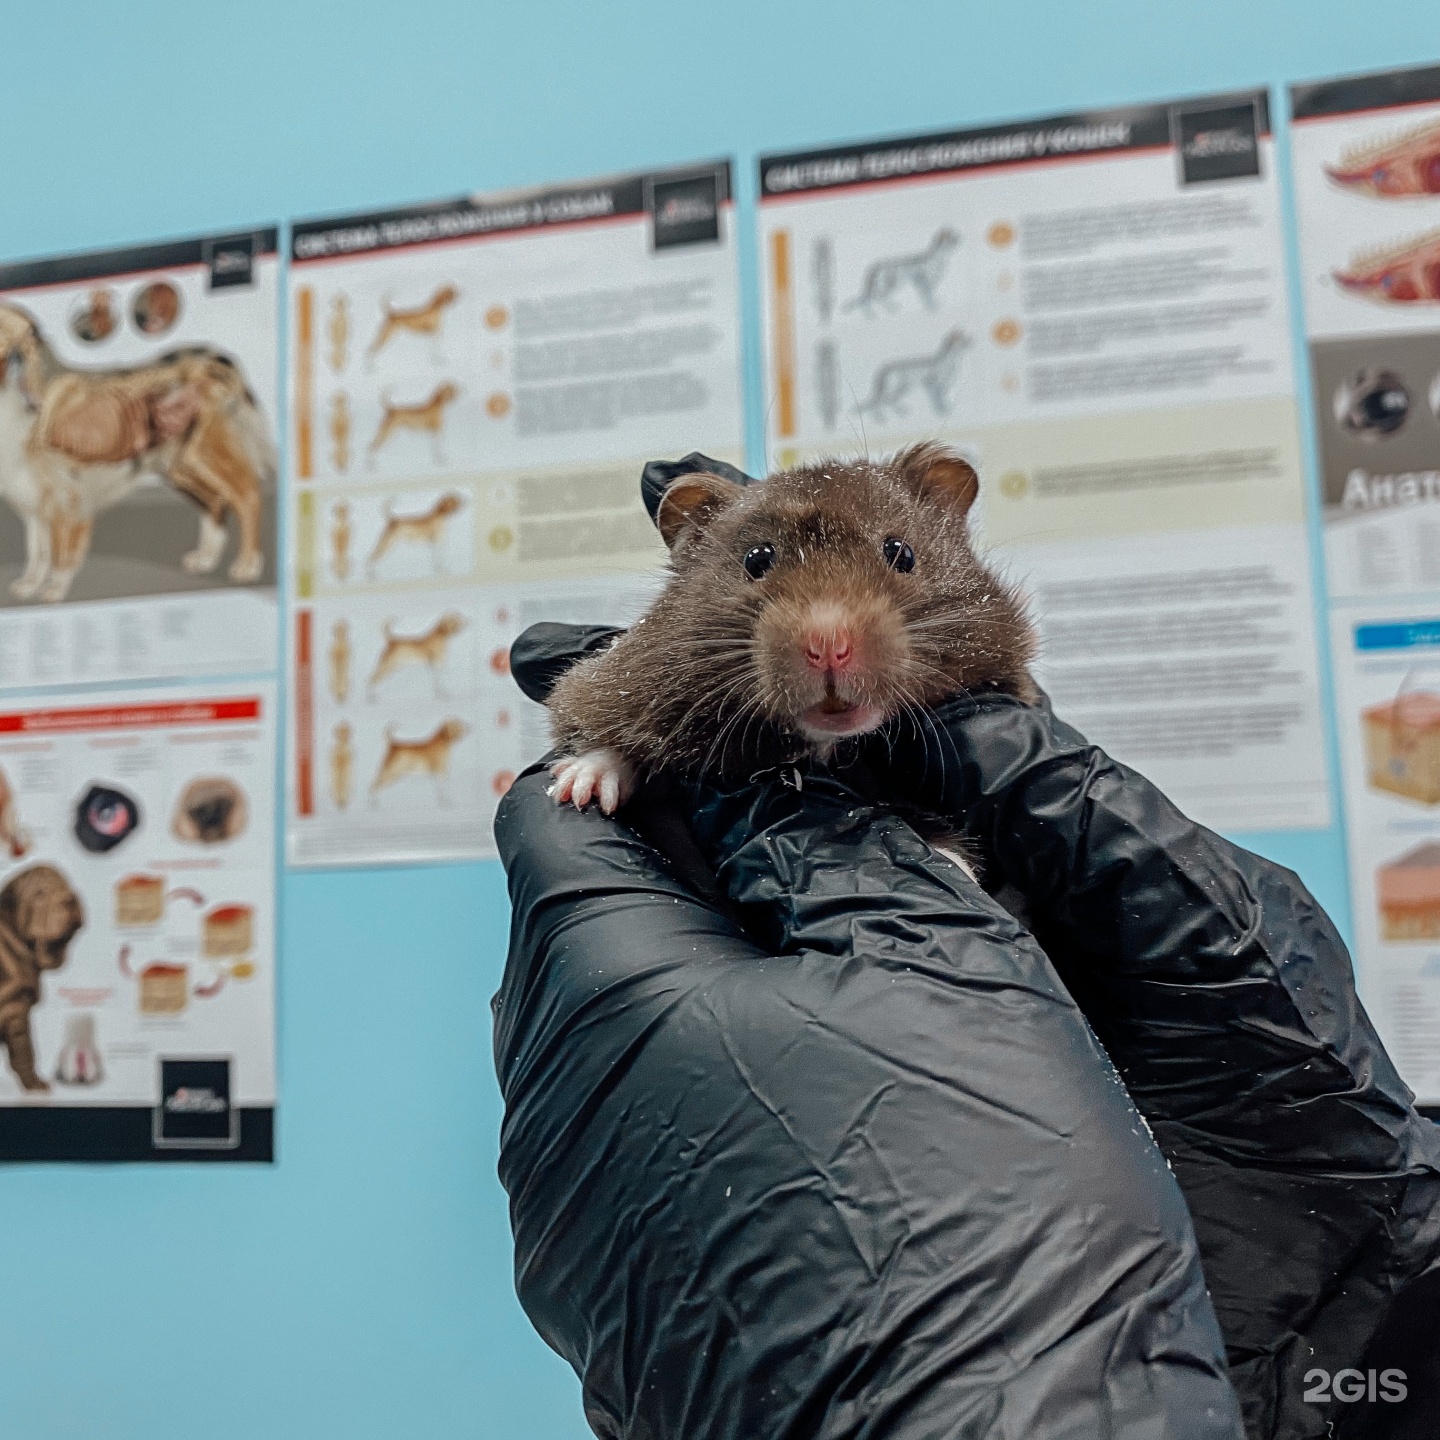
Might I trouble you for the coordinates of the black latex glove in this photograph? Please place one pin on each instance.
(874, 1179)
(1225, 997)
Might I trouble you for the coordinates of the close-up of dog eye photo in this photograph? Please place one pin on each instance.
(720, 724)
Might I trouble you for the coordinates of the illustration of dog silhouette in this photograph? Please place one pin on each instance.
(427, 648)
(425, 418)
(427, 319)
(430, 756)
(428, 528)
(39, 916)
(922, 272)
(81, 440)
(934, 374)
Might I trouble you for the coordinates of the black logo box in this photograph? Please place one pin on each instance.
(195, 1109)
(1217, 142)
(684, 211)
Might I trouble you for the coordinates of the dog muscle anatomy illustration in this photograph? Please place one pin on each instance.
(39, 916)
(935, 374)
(428, 526)
(75, 441)
(430, 756)
(921, 272)
(1399, 274)
(426, 418)
(426, 649)
(427, 319)
(1397, 166)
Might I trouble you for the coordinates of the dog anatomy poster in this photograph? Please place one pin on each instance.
(475, 386)
(137, 925)
(1366, 166)
(138, 462)
(1094, 307)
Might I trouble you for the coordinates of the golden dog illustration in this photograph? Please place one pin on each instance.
(425, 418)
(76, 441)
(39, 916)
(428, 526)
(427, 319)
(426, 649)
(419, 757)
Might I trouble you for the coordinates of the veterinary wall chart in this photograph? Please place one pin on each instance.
(137, 925)
(475, 386)
(1093, 307)
(1367, 187)
(138, 462)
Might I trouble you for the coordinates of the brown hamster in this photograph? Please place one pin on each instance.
(820, 604)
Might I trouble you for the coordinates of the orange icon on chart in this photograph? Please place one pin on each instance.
(500, 661)
(498, 405)
(502, 780)
(497, 317)
(502, 719)
(1006, 332)
(1014, 485)
(1001, 234)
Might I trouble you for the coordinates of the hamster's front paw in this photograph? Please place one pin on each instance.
(604, 774)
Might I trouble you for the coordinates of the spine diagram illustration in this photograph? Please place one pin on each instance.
(340, 431)
(339, 333)
(342, 765)
(922, 272)
(1397, 166)
(1401, 274)
(340, 661)
(340, 535)
(935, 374)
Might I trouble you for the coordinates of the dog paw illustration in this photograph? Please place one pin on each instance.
(247, 569)
(603, 774)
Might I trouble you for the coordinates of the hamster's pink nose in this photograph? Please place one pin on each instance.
(829, 649)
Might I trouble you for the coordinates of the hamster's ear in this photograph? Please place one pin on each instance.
(935, 473)
(691, 503)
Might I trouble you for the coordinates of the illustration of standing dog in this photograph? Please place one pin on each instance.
(427, 527)
(427, 319)
(425, 418)
(426, 649)
(430, 756)
(75, 441)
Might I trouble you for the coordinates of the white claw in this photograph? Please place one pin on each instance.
(603, 775)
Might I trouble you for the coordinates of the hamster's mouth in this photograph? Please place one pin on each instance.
(834, 719)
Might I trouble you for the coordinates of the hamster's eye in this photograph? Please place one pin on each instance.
(899, 556)
(759, 560)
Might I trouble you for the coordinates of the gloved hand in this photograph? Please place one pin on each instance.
(1226, 1000)
(871, 1178)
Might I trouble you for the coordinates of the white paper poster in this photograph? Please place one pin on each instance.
(1367, 187)
(1093, 307)
(475, 386)
(138, 462)
(137, 924)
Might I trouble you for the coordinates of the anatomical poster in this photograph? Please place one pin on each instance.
(1367, 188)
(1387, 683)
(1093, 308)
(137, 925)
(138, 453)
(475, 386)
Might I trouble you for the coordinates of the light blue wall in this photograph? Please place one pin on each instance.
(360, 1288)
